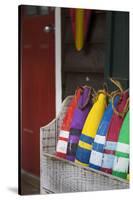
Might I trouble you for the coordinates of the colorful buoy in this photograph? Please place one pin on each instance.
(89, 130)
(61, 148)
(100, 138)
(121, 161)
(80, 24)
(79, 117)
(113, 134)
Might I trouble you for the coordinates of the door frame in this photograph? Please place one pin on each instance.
(58, 86)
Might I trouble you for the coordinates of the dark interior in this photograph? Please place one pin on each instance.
(105, 53)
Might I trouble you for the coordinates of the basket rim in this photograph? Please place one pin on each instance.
(52, 156)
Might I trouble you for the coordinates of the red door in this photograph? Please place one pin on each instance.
(37, 82)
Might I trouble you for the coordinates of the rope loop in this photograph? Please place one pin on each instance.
(118, 84)
(126, 107)
(91, 93)
(119, 92)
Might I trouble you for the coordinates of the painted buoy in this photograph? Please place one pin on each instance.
(80, 23)
(121, 161)
(100, 138)
(113, 134)
(79, 117)
(61, 148)
(89, 130)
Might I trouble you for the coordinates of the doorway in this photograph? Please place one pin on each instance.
(37, 80)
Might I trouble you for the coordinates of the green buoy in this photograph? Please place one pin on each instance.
(121, 162)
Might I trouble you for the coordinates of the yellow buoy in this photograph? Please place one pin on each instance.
(89, 130)
(79, 29)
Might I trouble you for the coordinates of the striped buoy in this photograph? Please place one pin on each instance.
(61, 148)
(79, 117)
(113, 134)
(121, 161)
(100, 138)
(89, 130)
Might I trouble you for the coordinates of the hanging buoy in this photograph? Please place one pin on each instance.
(79, 29)
(79, 117)
(121, 161)
(80, 23)
(61, 148)
(89, 130)
(100, 138)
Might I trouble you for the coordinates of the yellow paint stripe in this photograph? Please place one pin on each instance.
(80, 163)
(84, 145)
